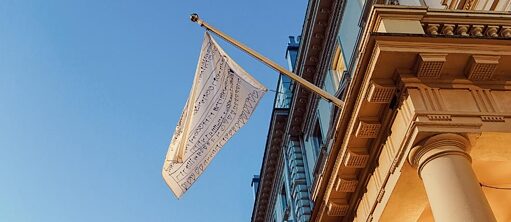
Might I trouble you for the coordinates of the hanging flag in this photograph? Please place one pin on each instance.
(222, 99)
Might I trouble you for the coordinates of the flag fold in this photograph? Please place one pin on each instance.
(222, 99)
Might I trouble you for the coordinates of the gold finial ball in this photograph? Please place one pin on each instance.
(194, 17)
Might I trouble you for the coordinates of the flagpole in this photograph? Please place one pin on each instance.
(195, 18)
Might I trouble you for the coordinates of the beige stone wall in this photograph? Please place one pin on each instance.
(424, 72)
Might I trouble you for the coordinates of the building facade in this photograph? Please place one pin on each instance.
(424, 131)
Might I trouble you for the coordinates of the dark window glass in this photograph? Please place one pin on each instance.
(317, 139)
(349, 29)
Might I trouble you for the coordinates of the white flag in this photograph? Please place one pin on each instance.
(222, 98)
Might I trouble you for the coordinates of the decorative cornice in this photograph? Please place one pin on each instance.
(467, 17)
(316, 46)
(271, 162)
(472, 30)
(317, 33)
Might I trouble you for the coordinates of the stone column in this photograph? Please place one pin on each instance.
(453, 190)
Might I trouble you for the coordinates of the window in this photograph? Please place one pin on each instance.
(338, 67)
(317, 139)
(283, 198)
(281, 211)
(349, 28)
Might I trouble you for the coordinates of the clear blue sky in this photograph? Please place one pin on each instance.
(90, 93)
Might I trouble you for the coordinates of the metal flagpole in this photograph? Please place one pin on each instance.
(195, 18)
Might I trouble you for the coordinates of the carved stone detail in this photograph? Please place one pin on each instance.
(505, 31)
(462, 30)
(477, 30)
(346, 185)
(482, 67)
(380, 94)
(337, 209)
(428, 149)
(394, 165)
(492, 31)
(466, 30)
(439, 117)
(380, 195)
(432, 29)
(356, 159)
(367, 129)
(469, 4)
(430, 65)
(448, 29)
(493, 119)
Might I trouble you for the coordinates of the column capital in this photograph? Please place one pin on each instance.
(437, 146)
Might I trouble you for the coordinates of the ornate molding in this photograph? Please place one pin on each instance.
(356, 159)
(337, 208)
(440, 117)
(481, 67)
(270, 165)
(493, 118)
(429, 65)
(380, 93)
(437, 146)
(346, 184)
(458, 98)
(367, 129)
(469, 4)
(467, 30)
